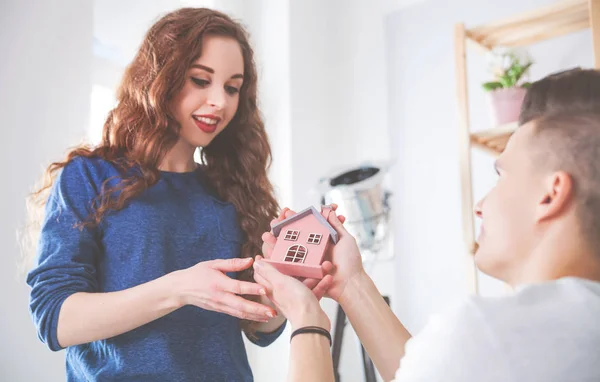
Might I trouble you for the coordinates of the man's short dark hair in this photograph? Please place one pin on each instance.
(565, 108)
(570, 91)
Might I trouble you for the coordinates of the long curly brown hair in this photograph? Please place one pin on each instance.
(141, 129)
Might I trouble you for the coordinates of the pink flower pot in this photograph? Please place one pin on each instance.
(505, 105)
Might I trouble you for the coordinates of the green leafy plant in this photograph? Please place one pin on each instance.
(509, 69)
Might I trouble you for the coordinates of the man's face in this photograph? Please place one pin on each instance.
(508, 211)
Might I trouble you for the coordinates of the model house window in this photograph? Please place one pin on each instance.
(296, 254)
(291, 235)
(314, 238)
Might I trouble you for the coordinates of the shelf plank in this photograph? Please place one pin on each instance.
(493, 141)
(552, 32)
(555, 20)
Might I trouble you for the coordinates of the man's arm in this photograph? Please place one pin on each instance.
(379, 330)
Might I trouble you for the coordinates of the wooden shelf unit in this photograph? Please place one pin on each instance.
(558, 19)
(493, 140)
(529, 28)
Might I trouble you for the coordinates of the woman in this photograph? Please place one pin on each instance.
(137, 236)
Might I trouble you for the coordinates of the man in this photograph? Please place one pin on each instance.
(540, 234)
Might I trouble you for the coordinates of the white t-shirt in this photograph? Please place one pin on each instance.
(546, 332)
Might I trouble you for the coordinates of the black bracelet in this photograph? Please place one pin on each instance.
(312, 329)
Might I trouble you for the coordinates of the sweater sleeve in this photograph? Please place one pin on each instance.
(265, 339)
(65, 261)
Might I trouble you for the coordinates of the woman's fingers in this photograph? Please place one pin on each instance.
(231, 265)
(246, 309)
(242, 287)
(218, 307)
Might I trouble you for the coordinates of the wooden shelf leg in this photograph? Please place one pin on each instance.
(464, 137)
(594, 9)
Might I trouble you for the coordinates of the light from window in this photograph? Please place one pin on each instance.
(291, 235)
(296, 254)
(102, 101)
(314, 238)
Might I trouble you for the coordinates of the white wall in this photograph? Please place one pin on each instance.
(339, 93)
(339, 110)
(45, 85)
(430, 268)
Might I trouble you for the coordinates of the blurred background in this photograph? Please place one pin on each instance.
(342, 83)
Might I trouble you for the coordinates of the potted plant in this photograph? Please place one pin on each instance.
(507, 91)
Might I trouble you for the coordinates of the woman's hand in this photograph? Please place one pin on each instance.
(291, 297)
(206, 286)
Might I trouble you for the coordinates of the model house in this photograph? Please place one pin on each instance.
(302, 240)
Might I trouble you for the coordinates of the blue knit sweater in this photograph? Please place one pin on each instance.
(173, 225)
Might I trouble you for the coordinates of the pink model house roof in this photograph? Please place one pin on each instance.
(310, 210)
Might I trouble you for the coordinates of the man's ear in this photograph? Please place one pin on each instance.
(557, 194)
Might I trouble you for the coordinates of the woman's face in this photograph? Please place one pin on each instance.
(209, 98)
